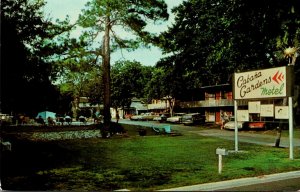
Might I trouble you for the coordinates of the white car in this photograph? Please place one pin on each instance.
(136, 117)
(162, 118)
(148, 116)
(177, 118)
(157, 118)
(230, 124)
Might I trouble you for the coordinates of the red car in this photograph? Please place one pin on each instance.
(256, 125)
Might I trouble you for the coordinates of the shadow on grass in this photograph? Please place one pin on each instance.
(150, 162)
(63, 165)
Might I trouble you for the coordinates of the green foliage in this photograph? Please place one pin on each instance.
(156, 87)
(28, 44)
(79, 74)
(131, 16)
(104, 18)
(129, 79)
(212, 39)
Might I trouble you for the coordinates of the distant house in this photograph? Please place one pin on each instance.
(137, 107)
(84, 102)
(159, 106)
(85, 107)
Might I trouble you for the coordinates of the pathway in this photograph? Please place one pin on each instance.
(248, 137)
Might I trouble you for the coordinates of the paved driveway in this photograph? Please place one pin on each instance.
(248, 137)
(260, 138)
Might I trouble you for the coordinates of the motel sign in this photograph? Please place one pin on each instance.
(265, 83)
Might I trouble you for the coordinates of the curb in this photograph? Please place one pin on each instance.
(238, 182)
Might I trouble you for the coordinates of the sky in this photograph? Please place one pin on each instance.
(59, 9)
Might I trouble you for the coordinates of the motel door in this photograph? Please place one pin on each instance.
(218, 117)
(210, 116)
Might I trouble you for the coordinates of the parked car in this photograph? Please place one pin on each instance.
(148, 116)
(136, 117)
(162, 118)
(128, 116)
(82, 119)
(193, 119)
(68, 120)
(177, 118)
(158, 118)
(230, 124)
(256, 125)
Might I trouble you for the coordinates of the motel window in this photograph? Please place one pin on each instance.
(210, 96)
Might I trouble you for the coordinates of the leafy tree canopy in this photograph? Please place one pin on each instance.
(129, 79)
(103, 17)
(211, 39)
(132, 16)
(27, 47)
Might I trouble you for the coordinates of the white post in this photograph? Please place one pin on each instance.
(235, 126)
(220, 164)
(291, 125)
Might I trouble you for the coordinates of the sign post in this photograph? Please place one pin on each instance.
(291, 125)
(220, 164)
(269, 83)
(236, 143)
(220, 152)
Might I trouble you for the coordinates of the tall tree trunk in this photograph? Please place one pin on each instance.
(171, 103)
(106, 78)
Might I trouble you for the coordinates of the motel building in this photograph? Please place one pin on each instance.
(215, 100)
(259, 96)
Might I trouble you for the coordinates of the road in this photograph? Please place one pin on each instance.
(282, 185)
(289, 181)
(243, 136)
(155, 123)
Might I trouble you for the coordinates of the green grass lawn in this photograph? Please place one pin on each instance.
(136, 163)
(296, 133)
